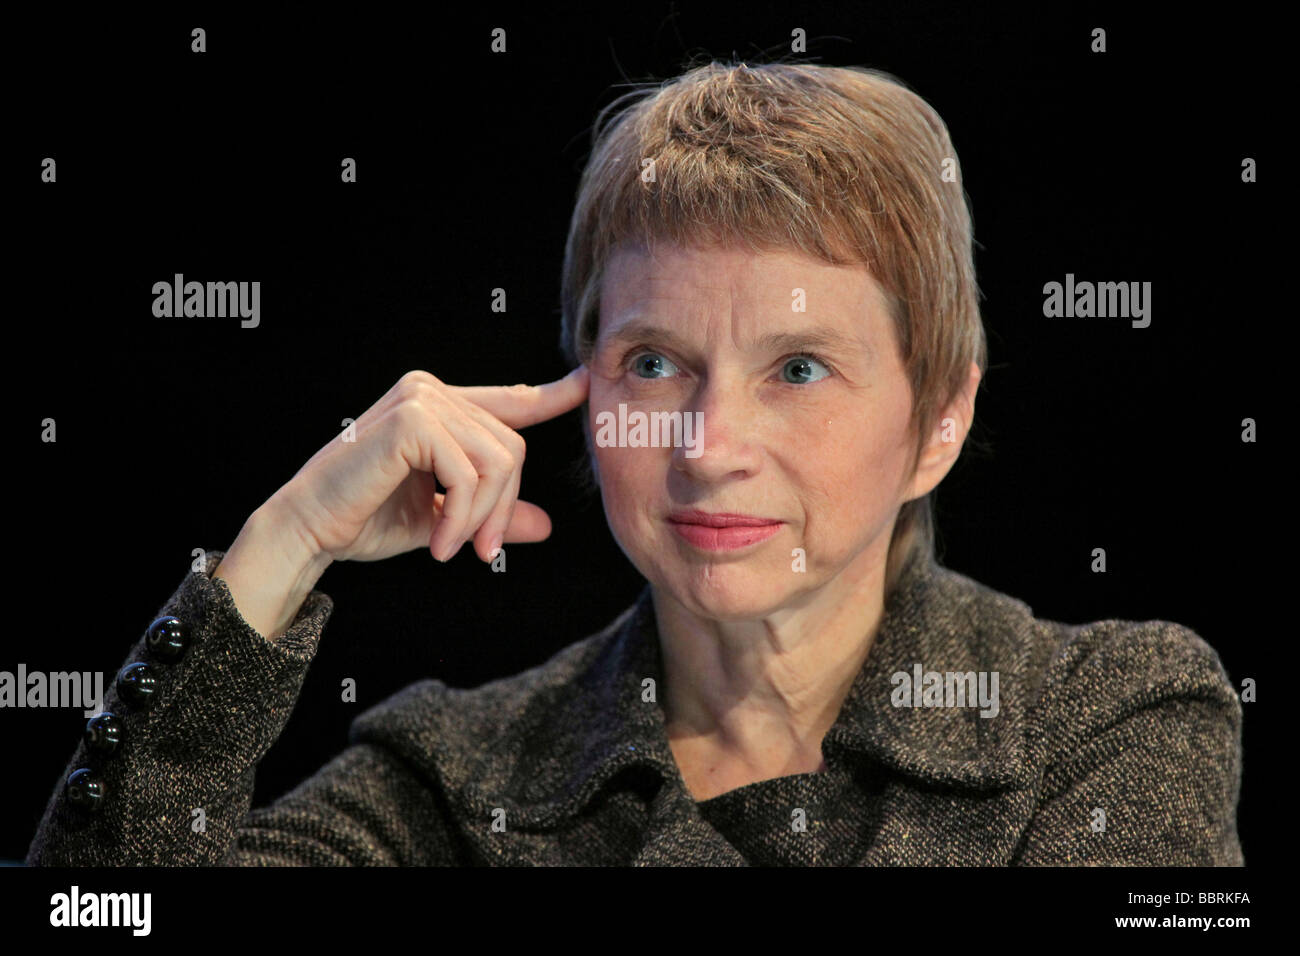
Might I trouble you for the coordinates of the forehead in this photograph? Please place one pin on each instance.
(673, 283)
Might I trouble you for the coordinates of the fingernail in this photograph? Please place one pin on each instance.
(494, 547)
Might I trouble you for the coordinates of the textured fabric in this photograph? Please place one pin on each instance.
(805, 819)
(568, 763)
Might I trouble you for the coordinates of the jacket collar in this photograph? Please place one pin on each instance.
(590, 722)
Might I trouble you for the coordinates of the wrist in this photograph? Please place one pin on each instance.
(270, 570)
(276, 521)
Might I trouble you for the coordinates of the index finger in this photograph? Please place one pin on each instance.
(522, 405)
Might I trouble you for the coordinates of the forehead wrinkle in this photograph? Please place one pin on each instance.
(643, 329)
(653, 285)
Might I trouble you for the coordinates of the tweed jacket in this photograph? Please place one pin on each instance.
(1115, 742)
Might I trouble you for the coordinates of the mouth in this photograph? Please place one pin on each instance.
(712, 531)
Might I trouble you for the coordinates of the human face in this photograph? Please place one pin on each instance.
(805, 419)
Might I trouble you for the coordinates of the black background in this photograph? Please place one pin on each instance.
(1122, 166)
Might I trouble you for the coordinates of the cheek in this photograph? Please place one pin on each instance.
(627, 473)
(849, 472)
(628, 487)
(626, 477)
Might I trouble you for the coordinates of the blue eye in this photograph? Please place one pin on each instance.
(800, 370)
(653, 365)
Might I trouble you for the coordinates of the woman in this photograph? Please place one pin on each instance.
(772, 267)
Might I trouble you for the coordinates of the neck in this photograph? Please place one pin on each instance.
(752, 699)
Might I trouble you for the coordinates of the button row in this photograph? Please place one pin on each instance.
(137, 684)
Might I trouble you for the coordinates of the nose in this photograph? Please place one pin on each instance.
(724, 442)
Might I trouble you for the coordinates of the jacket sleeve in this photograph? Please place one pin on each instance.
(1146, 769)
(177, 789)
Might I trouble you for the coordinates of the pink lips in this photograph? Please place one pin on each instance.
(722, 532)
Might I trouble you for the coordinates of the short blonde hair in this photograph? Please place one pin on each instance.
(845, 164)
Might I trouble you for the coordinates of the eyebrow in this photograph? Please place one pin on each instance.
(830, 339)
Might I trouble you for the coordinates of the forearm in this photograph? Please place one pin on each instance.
(189, 752)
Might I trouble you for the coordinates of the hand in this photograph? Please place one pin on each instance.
(375, 497)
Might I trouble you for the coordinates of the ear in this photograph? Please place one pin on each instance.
(942, 447)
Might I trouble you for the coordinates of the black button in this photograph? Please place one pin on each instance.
(104, 733)
(85, 790)
(167, 638)
(136, 684)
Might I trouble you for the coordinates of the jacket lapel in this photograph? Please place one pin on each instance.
(954, 785)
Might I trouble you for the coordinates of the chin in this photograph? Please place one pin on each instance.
(728, 592)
